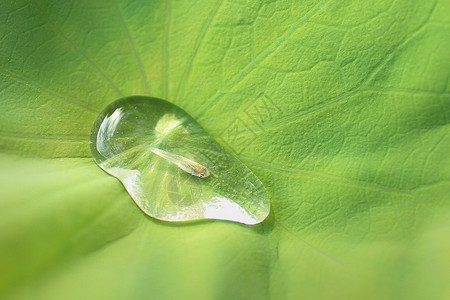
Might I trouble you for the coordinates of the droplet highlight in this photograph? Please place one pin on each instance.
(171, 167)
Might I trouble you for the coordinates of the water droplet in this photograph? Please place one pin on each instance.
(141, 141)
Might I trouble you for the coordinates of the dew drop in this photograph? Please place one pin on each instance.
(122, 140)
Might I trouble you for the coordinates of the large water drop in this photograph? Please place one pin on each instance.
(123, 143)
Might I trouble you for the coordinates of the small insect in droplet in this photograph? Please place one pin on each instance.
(183, 163)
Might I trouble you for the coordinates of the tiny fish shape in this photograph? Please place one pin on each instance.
(183, 163)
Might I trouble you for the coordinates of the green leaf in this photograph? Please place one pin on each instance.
(341, 108)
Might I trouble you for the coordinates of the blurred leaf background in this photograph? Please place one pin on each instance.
(341, 108)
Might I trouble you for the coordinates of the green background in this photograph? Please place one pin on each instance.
(341, 108)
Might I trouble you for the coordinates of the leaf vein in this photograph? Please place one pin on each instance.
(197, 47)
(166, 49)
(78, 50)
(133, 48)
(34, 84)
(330, 177)
(238, 77)
(403, 43)
(42, 137)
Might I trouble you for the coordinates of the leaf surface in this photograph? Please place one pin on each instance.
(340, 108)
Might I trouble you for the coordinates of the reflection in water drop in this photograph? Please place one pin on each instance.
(123, 143)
